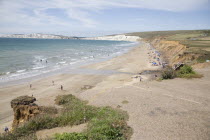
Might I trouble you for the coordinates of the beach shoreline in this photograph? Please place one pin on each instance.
(154, 108)
(68, 69)
(21, 87)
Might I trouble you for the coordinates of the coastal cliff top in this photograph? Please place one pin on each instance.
(22, 100)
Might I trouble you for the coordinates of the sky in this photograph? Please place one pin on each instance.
(101, 17)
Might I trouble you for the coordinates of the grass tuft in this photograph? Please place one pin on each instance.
(71, 136)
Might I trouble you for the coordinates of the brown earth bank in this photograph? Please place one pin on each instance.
(175, 52)
(170, 109)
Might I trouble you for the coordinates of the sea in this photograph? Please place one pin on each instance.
(24, 58)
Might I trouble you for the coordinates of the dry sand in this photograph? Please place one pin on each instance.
(171, 109)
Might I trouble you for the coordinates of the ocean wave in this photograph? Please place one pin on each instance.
(36, 68)
(8, 73)
(19, 71)
(127, 44)
(62, 62)
(16, 74)
(85, 57)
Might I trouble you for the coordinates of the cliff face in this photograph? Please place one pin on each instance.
(24, 109)
(116, 38)
(42, 36)
(173, 51)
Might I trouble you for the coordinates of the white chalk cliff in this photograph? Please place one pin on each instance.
(37, 35)
(116, 37)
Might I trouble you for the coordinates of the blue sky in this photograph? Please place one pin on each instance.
(101, 17)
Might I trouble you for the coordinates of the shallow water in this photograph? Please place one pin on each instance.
(24, 58)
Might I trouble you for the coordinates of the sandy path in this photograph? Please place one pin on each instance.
(172, 109)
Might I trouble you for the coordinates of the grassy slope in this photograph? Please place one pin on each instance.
(104, 123)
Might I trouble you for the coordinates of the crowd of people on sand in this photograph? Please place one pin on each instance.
(155, 57)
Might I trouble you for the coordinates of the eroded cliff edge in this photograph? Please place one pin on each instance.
(24, 109)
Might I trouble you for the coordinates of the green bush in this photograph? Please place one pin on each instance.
(187, 72)
(71, 136)
(184, 72)
(109, 124)
(168, 73)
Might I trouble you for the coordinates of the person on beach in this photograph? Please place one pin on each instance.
(140, 78)
(53, 83)
(6, 129)
(30, 86)
(61, 87)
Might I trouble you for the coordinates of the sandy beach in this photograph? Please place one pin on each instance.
(170, 109)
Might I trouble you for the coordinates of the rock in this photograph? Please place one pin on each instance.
(24, 109)
(178, 66)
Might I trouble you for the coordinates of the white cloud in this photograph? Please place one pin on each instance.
(13, 11)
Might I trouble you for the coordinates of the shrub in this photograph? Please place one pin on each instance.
(48, 110)
(187, 72)
(71, 136)
(168, 73)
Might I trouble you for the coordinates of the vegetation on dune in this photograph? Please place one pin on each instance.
(168, 73)
(184, 72)
(187, 72)
(71, 136)
(153, 34)
(104, 123)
